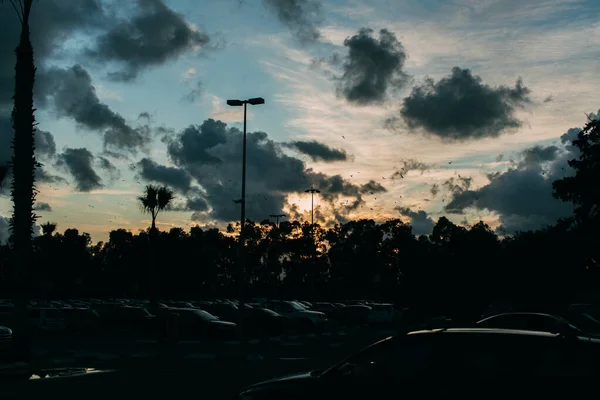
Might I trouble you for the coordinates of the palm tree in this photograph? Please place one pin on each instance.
(48, 228)
(23, 171)
(154, 200)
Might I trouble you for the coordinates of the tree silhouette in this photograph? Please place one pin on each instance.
(154, 200)
(23, 168)
(582, 189)
(48, 228)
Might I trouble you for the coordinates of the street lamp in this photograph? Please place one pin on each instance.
(277, 216)
(312, 192)
(241, 253)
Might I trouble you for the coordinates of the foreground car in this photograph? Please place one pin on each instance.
(444, 363)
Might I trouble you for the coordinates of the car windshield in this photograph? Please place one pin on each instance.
(204, 315)
(264, 311)
(297, 306)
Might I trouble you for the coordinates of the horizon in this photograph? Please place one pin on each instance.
(115, 115)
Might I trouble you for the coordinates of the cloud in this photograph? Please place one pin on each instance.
(45, 147)
(71, 94)
(435, 189)
(302, 17)
(420, 221)
(107, 166)
(318, 151)
(41, 206)
(189, 74)
(211, 154)
(54, 22)
(461, 107)
(522, 195)
(410, 165)
(43, 176)
(79, 163)
(372, 68)
(175, 178)
(372, 187)
(194, 93)
(155, 35)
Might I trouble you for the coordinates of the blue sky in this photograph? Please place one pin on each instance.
(242, 49)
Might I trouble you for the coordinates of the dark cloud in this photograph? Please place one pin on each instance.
(45, 150)
(211, 154)
(372, 187)
(461, 107)
(372, 68)
(41, 206)
(318, 151)
(435, 189)
(410, 165)
(522, 195)
(302, 17)
(52, 22)
(457, 185)
(421, 223)
(155, 35)
(43, 176)
(175, 178)
(71, 94)
(194, 93)
(107, 166)
(45, 147)
(79, 163)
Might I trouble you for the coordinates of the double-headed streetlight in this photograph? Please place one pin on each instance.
(312, 192)
(277, 216)
(241, 253)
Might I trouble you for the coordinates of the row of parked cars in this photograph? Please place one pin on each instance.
(213, 318)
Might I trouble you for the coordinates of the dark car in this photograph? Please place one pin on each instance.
(6, 345)
(446, 363)
(80, 320)
(262, 321)
(199, 323)
(225, 311)
(531, 322)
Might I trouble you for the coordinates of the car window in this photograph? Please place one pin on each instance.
(409, 357)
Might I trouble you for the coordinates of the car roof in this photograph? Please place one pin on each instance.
(496, 331)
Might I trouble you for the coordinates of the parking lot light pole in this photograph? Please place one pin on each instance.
(277, 216)
(241, 249)
(312, 192)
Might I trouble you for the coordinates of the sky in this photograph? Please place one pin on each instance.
(410, 109)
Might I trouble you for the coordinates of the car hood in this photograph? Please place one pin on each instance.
(4, 330)
(223, 324)
(293, 379)
(314, 313)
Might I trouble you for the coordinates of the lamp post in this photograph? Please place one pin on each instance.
(277, 216)
(241, 249)
(312, 192)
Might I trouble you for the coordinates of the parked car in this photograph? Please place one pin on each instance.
(6, 344)
(353, 315)
(381, 314)
(532, 322)
(46, 320)
(299, 316)
(199, 323)
(80, 320)
(447, 363)
(262, 321)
